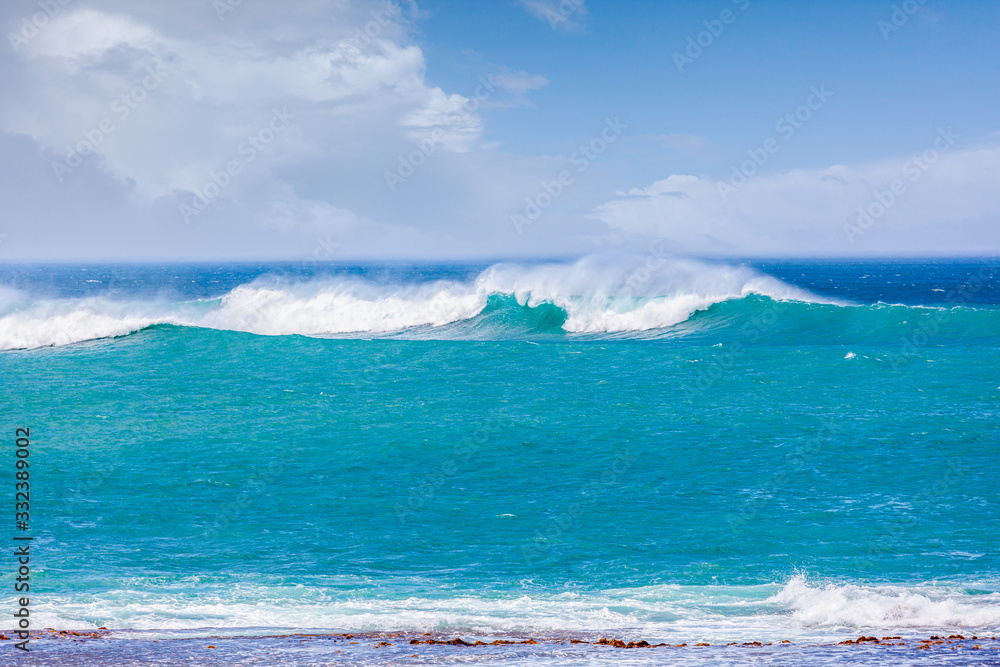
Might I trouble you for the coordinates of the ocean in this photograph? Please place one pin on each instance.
(267, 457)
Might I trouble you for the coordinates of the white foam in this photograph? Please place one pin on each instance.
(339, 306)
(599, 295)
(887, 607)
(62, 322)
(795, 610)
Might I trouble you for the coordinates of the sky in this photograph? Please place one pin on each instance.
(343, 130)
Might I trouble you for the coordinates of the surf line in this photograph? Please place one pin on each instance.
(22, 542)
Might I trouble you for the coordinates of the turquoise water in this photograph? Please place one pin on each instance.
(720, 455)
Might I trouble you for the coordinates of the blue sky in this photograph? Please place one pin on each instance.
(876, 85)
(939, 68)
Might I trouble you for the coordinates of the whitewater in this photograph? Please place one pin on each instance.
(794, 609)
(596, 295)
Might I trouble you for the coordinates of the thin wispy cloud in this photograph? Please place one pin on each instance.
(690, 144)
(520, 82)
(569, 15)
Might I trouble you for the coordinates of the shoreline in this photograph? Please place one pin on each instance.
(101, 648)
(620, 639)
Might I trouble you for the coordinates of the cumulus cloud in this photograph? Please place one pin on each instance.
(930, 202)
(280, 123)
(214, 94)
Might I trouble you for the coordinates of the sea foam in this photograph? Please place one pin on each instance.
(597, 295)
(797, 610)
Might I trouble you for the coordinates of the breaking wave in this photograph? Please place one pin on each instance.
(592, 295)
(595, 296)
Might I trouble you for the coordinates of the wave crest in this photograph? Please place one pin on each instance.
(597, 294)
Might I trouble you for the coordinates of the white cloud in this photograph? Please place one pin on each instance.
(359, 104)
(940, 207)
(214, 94)
(344, 71)
(85, 34)
(445, 119)
(559, 14)
(520, 83)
